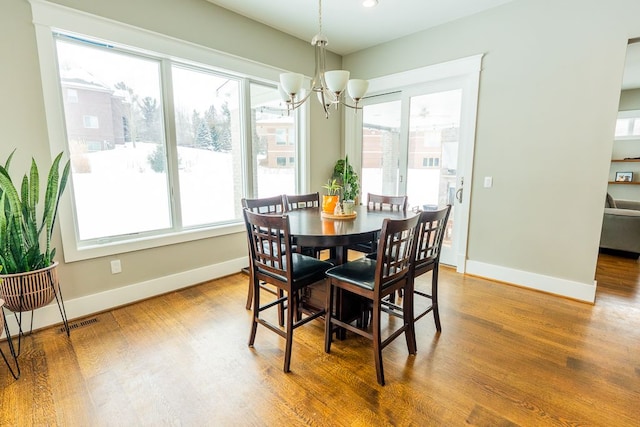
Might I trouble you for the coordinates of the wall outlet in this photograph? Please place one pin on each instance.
(116, 267)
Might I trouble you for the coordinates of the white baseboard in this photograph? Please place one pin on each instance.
(580, 291)
(95, 303)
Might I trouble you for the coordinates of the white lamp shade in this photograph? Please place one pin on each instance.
(357, 88)
(336, 80)
(283, 95)
(291, 82)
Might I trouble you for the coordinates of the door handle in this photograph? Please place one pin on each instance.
(459, 195)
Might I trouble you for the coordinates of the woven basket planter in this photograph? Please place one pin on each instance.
(31, 290)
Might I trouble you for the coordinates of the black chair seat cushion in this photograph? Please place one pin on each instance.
(304, 269)
(360, 272)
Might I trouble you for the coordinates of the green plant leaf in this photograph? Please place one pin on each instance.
(20, 230)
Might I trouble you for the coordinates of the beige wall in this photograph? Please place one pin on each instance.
(23, 125)
(629, 100)
(549, 93)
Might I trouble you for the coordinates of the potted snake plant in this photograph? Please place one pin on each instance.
(28, 270)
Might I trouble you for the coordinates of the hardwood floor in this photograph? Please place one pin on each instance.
(506, 356)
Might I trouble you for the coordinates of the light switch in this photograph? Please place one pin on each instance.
(488, 182)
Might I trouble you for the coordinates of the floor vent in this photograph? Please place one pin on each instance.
(77, 325)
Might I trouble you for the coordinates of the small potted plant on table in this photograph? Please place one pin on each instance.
(330, 200)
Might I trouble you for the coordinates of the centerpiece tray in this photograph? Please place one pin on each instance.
(341, 216)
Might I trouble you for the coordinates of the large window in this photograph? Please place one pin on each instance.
(628, 125)
(273, 143)
(159, 145)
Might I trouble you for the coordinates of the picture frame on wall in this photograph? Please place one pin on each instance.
(624, 176)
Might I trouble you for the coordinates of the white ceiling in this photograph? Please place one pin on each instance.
(351, 27)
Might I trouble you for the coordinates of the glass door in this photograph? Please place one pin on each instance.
(432, 160)
(381, 149)
(411, 145)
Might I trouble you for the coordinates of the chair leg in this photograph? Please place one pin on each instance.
(250, 300)
(281, 308)
(289, 330)
(328, 330)
(377, 344)
(434, 298)
(249, 293)
(408, 317)
(256, 310)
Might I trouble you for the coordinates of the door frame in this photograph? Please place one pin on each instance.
(466, 73)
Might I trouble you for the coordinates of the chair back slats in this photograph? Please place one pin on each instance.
(431, 230)
(265, 205)
(269, 242)
(301, 201)
(378, 202)
(396, 250)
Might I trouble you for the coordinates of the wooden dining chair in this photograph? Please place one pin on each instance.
(268, 205)
(432, 227)
(374, 280)
(377, 202)
(301, 201)
(304, 201)
(273, 261)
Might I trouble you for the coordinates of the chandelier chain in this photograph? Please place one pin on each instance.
(320, 16)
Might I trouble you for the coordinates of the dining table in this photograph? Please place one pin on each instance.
(310, 228)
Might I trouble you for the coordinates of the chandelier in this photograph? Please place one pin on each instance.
(328, 85)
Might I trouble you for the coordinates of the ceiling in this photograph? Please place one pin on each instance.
(351, 27)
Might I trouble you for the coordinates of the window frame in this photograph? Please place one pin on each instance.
(51, 18)
(626, 115)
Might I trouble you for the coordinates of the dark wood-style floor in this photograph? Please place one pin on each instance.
(506, 356)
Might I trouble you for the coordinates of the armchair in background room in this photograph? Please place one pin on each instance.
(621, 225)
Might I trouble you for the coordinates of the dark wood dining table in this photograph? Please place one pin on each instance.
(310, 229)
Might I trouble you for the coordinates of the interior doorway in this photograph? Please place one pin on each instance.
(618, 266)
